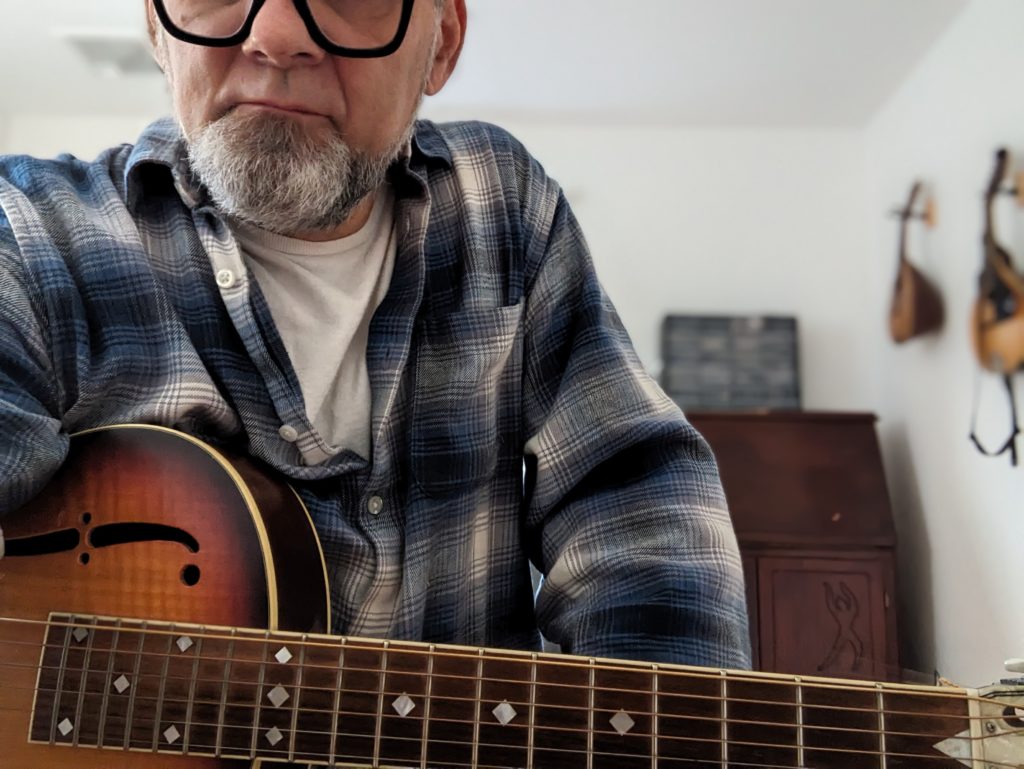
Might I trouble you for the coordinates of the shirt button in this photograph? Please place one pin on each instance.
(225, 278)
(288, 433)
(375, 505)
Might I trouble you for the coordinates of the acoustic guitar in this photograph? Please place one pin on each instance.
(916, 306)
(165, 605)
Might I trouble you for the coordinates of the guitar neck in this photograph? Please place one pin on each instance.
(201, 691)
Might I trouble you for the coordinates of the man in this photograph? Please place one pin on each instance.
(401, 318)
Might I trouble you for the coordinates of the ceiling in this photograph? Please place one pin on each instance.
(695, 62)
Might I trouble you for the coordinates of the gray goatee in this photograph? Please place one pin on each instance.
(272, 172)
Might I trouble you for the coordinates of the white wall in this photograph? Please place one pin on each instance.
(81, 135)
(962, 515)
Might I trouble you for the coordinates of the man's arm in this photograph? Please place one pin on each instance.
(32, 445)
(626, 515)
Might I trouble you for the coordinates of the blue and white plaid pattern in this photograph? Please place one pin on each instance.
(495, 350)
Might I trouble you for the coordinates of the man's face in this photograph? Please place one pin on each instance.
(280, 77)
(279, 70)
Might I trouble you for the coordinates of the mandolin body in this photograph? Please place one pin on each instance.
(916, 305)
(146, 523)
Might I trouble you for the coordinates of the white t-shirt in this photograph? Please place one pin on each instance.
(322, 297)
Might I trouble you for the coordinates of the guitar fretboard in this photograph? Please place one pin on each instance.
(192, 690)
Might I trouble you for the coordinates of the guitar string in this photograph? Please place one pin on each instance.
(220, 684)
(151, 727)
(410, 648)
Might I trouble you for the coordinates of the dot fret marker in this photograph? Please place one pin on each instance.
(403, 705)
(621, 722)
(504, 713)
(278, 696)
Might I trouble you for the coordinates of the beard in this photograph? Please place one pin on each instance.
(274, 173)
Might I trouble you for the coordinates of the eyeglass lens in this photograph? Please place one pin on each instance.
(360, 24)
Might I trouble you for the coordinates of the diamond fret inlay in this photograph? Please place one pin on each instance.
(121, 684)
(504, 713)
(403, 705)
(621, 722)
(274, 736)
(171, 735)
(283, 655)
(65, 727)
(80, 634)
(278, 696)
(184, 643)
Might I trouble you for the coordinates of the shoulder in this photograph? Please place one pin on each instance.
(469, 137)
(483, 147)
(55, 200)
(41, 181)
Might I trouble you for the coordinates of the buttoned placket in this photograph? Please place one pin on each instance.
(232, 279)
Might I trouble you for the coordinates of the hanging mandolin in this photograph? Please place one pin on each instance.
(916, 307)
(998, 319)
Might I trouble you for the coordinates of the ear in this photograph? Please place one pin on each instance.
(452, 35)
(156, 49)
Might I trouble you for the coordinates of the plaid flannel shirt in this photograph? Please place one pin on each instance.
(512, 420)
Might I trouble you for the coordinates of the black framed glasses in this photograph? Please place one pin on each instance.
(355, 28)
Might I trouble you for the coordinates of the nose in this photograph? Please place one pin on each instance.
(279, 37)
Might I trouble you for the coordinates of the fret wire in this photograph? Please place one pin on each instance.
(259, 696)
(881, 729)
(160, 697)
(380, 704)
(59, 686)
(735, 721)
(135, 678)
(426, 710)
(82, 685)
(533, 712)
(337, 700)
(725, 720)
(476, 712)
(192, 696)
(295, 704)
(108, 682)
(268, 752)
(590, 717)
(799, 723)
(654, 717)
(224, 694)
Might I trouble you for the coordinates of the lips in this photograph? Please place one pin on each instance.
(298, 109)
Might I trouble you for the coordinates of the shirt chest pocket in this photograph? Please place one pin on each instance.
(467, 378)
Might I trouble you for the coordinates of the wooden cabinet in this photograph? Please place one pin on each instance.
(808, 498)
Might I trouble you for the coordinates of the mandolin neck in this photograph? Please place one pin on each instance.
(192, 690)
